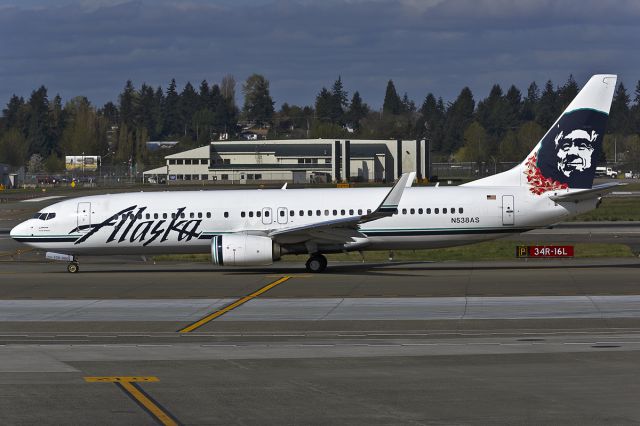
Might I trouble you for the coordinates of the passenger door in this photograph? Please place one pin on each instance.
(84, 216)
(508, 210)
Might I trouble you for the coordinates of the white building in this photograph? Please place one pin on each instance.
(298, 161)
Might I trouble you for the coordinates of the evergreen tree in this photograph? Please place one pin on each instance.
(635, 110)
(81, 131)
(189, 101)
(324, 106)
(547, 110)
(620, 115)
(431, 121)
(338, 102)
(408, 106)
(13, 147)
(566, 93)
(128, 105)
(513, 111)
(14, 115)
(530, 103)
(148, 111)
(38, 123)
(357, 110)
(171, 112)
(110, 113)
(258, 105)
(392, 102)
(458, 117)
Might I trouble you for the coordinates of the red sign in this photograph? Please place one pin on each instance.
(544, 251)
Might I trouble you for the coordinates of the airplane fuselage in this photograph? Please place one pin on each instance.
(185, 221)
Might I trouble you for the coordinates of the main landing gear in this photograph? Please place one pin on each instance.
(73, 267)
(316, 263)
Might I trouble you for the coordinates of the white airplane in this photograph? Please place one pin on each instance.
(256, 227)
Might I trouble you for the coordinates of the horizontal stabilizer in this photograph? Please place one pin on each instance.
(587, 194)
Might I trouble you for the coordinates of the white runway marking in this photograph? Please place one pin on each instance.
(35, 200)
(327, 309)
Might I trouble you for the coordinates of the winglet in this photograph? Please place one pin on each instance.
(284, 186)
(390, 203)
(412, 177)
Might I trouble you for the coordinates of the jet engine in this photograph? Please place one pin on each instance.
(243, 250)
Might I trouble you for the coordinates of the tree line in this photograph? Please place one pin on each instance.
(504, 126)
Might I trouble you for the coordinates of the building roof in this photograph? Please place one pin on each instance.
(279, 150)
(200, 152)
(159, 171)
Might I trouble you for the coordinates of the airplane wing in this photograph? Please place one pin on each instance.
(587, 194)
(342, 230)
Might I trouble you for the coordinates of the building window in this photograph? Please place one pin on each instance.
(226, 161)
(224, 177)
(179, 177)
(327, 161)
(204, 177)
(172, 161)
(258, 176)
(250, 176)
(187, 161)
(179, 161)
(300, 160)
(204, 161)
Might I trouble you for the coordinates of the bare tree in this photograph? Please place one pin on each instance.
(228, 88)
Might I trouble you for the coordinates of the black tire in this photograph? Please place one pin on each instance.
(72, 268)
(316, 263)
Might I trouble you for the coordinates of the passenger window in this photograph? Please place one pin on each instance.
(444, 210)
(208, 215)
(250, 214)
(351, 212)
(266, 213)
(318, 213)
(242, 214)
(412, 211)
(51, 216)
(360, 212)
(335, 212)
(148, 216)
(436, 210)
(453, 210)
(281, 213)
(139, 216)
(173, 215)
(326, 212)
(419, 211)
(301, 213)
(226, 214)
(164, 215)
(460, 210)
(192, 215)
(342, 212)
(368, 211)
(199, 215)
(182, 215)
(258, 213)
(309, 212)
(155, 215)
(292, 212)
(404, 211)
(429, 211)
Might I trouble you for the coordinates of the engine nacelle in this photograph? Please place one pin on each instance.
(243, 250)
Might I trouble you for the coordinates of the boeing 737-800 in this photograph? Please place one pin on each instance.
(256, 227)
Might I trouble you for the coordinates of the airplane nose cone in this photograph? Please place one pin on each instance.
(17, 230)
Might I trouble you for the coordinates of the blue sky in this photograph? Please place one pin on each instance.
(91, 47)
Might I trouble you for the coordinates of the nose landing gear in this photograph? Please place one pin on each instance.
(73, 267)
(316, 263)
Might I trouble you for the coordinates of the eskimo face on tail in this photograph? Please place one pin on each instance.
(574, 151)
(568, 152)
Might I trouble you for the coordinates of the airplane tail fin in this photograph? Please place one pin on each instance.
(567, 154)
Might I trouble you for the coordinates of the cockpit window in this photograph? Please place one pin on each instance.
(44, 216)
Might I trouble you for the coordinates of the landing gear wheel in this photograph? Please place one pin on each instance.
(316, 263)
(73, 267)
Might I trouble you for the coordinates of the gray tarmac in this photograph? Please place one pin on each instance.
(515, 342)
(524, 342)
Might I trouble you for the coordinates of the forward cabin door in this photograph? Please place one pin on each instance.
(84, 216)
(508, 210)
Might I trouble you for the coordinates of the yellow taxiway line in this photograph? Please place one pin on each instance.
(232, 306)
(128, 384)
